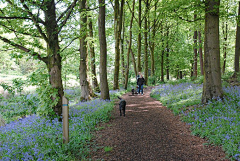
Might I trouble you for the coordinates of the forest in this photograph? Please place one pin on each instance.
(92, 51)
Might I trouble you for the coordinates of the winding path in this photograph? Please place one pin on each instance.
(150, 132)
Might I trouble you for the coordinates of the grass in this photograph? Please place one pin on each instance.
(218, 121)
(27, 136)
(108, 148)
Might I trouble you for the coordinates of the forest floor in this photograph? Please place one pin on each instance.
(149, 131)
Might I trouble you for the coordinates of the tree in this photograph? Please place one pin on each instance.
(146, 42)
(237, 46)
(84, 84)
(212, 86)
(167, 55)
(92, 57)
(118, 16)
(139, 68)
(103, 51)
(152, 41)
(225, 34)
(200, 51)
(195, 50)
(27, 24)
(129, 47)
(122, 50)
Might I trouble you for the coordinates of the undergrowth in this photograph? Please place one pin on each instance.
(28, 136)
(218, 121)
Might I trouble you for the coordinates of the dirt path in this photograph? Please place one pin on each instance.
(150, 132)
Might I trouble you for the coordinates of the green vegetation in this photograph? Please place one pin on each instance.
(56, 49)
(107, 148)
(218, 121)
(27, 136)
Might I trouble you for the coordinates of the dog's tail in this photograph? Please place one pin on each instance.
(119, 97)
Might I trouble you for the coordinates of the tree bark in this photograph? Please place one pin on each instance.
(152, 43)
(54, 59)
(167, 55)
(122, 51)
(117, 50)
(195, 50)
(103, 52)
(200, 51)
(129, 47)
(237, 46)
(162, 54)
(139, 37)
(146, 44)
(162, 65)
(84, 84)
(212, 86)
(92, 57)
(118, 30)
(134, 62)
(225, 34)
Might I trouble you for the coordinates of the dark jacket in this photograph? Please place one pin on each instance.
(140, 81)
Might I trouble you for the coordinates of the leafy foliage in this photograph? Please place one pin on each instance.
(46, 104)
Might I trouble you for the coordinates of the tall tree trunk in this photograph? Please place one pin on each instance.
(54, 59)
(92, 57)
(118, 30)
(129, 47)
(195, 50)
(212, 86)
(152, 43)
(162, 65)
(122, 51)
(167, 66)
(103, 52)
(200, 51)
(162, 55)
(139, 37)
(84, 84)
(134, 62)
(152, 48)
(225, 34)
(54, 70)
(117, 50)
(237, 46)
(146, 44)
(167, 55)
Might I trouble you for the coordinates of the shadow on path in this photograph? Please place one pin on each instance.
(150, 132)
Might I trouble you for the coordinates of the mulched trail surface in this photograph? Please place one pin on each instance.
(150, 132)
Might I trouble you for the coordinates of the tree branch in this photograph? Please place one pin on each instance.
(14, 17)
(63, 13)
(24, 33)
(132, 11)
(68, 15)
(32, 53)
(35, 21)
(69, 43)
(39, 20)
(197, 19)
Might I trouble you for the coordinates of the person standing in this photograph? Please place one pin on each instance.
(140, 82)
(139, 73)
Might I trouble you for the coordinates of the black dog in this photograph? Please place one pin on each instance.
(122, 106)
(132, 91)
